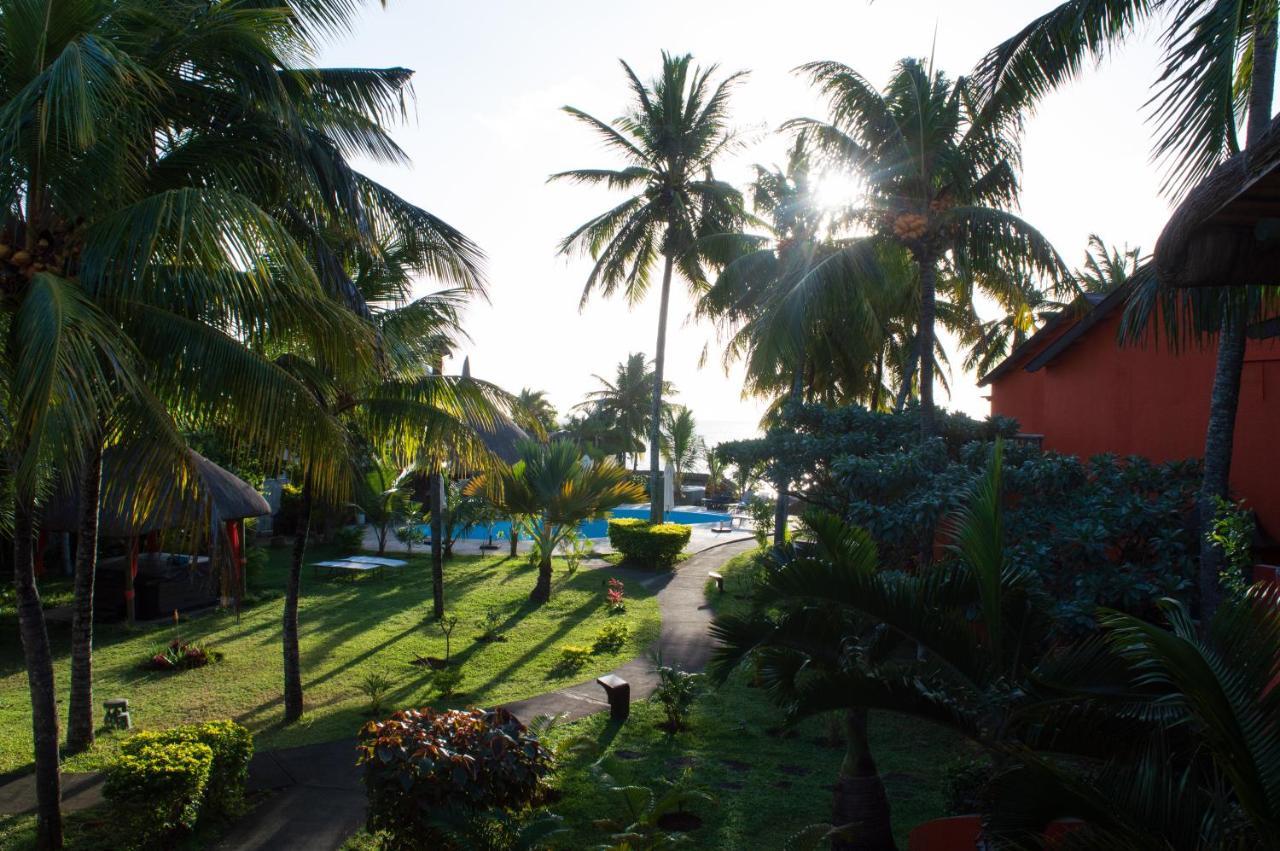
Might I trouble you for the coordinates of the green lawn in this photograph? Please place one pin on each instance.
(348, 630)
(768, 783)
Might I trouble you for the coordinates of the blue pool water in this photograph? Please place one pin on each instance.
(598, 528)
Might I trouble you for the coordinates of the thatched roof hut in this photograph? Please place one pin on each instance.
(1226, 232)
(132, 507)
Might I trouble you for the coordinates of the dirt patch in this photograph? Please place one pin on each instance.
(625, 754)
(435, 663)
(781, 784)
(731, 785)
(781, 732)
(736, 765)
(681, 762)
(794, 770)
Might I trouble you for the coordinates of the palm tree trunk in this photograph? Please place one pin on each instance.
(784, 475)
(656, 508)
(80, 707)
(904, 392)
(292, 657)
(515, 537)
(859, 798)
(39, 662)
(1218, 444)
(1220, 435)
(875, 391)
(436, 484)
(542, 590)
(925, 339)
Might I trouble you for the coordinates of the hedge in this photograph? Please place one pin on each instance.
(158, 789)
(655, 545)
(232, 747)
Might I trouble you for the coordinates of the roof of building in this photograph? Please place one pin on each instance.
(1225, 232)
(1084, 306)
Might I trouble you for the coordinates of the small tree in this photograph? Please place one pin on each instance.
(556, 490)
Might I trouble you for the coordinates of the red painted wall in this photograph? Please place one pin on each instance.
(1097, 397)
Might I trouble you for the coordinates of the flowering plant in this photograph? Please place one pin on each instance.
(614, 596)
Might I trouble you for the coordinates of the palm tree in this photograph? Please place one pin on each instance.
(538, 407)
(1218, 72)
(681, 444)
(1107, 268)
(671, 137)
(625, 402)
(555, 489)
(715, 471)
(940, 181)
(105, 230)
(418, 416)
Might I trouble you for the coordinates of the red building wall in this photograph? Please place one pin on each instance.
(1097, 397)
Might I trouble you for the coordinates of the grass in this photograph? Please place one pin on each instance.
(769, 782)
(348, 629)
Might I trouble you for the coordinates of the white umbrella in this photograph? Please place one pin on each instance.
(668, 487)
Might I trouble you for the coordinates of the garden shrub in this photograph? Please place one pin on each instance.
(1103, 532)
(348, 537)
(572, 657)
(676, 691)
(231, 746)
(180, 655)
(157, 789)
(611, 638)
(653, 545)
(419, 763)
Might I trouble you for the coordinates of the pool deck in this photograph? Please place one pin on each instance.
(700, 538)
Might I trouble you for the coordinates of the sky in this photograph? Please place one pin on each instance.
(487, 130)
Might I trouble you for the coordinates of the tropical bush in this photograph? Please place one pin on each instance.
(421, 763)
(180, 655)
(572, 657)
(615, 595)
(1106, 532)
(649, 544)
(611, 638)
(157, 789)
(375, 686)
(231, 746)
(676, 691)
(348, 537)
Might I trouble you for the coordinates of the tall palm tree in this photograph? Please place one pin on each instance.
(940, 182)
(625, 401)
(419, 417)
(194, 355)
(681, 444)
(1217, 76)
(671, 137)
(555, 488)
(537, 406)
(95, 230)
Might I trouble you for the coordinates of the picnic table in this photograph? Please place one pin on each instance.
(356, 566)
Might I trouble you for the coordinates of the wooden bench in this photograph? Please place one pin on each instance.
(719, 578)
(618, 691)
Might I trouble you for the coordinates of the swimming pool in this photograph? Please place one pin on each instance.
(599, 528)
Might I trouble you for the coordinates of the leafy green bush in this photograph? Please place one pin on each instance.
(420, 763)
(653, 545)
(611, 638)
(676, 691)
(232, 748)
(158, 789)
(1104, 532)
(572, 657)
(349, 537)
(762, 514)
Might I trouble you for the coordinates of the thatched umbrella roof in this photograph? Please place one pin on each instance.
(215, 495)
(1220, 235)
(502, 436)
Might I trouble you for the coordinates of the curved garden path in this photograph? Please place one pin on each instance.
(318, 799)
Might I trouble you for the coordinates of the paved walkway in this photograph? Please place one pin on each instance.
(316, 799)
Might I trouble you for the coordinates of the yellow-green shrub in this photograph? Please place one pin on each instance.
(158, 789)
(652, 545)
(232, 747)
